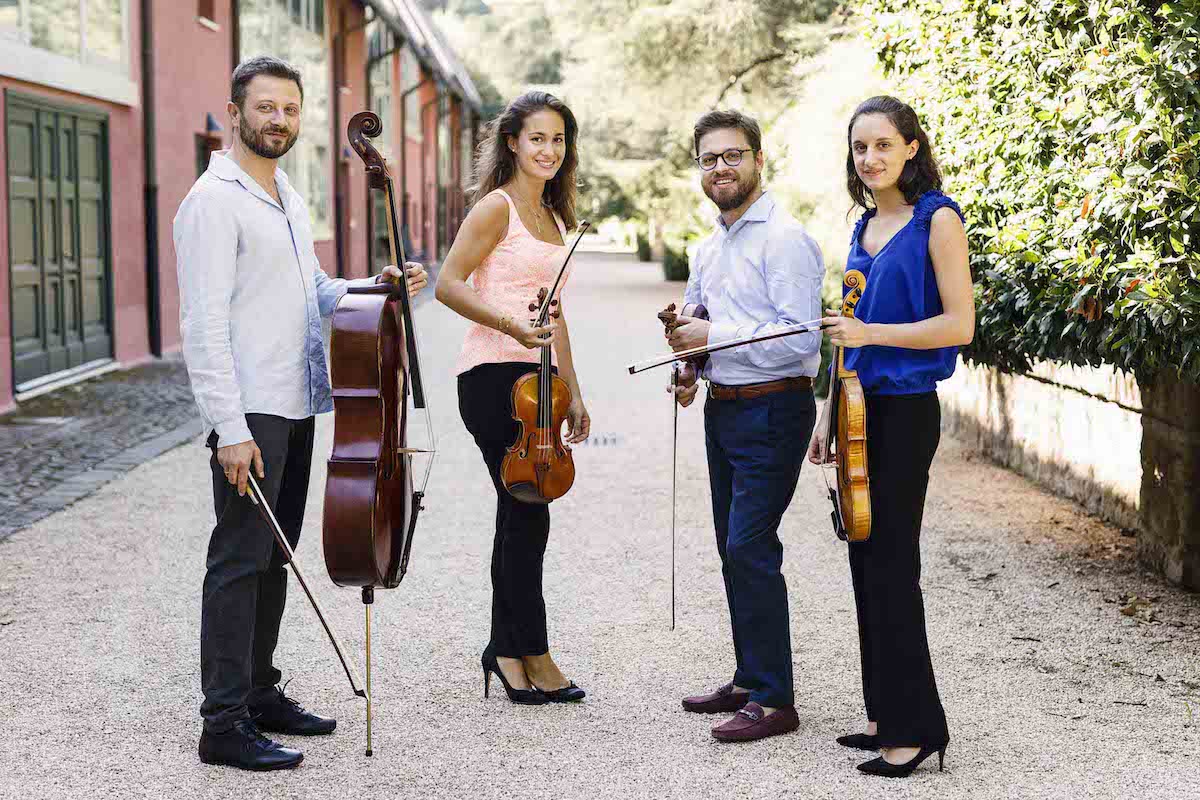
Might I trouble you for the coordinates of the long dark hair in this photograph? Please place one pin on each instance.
(495, 164)
(921, 173)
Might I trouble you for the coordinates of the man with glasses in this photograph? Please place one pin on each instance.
(757, 272)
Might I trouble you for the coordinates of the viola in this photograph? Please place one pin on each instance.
(371, 505)
(846, 436)
(538, 467)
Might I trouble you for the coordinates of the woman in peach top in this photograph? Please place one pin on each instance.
(511, 244)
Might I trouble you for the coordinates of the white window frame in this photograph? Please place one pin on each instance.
(379, 85)
(315, 152)
(412, 112)
(81, 74)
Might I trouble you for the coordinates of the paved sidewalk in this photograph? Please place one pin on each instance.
(62, 446)
(1066, 672)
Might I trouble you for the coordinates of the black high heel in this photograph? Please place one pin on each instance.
(568, 694)
(859, 741)
(524, 697)
(878, 766)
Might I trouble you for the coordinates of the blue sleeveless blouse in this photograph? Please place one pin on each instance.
(901, 287)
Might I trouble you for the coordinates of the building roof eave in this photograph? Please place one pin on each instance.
(411, 22)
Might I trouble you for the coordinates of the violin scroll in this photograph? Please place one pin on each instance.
(670, 320)
(857, 282)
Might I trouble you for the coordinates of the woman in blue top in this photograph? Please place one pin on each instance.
(917, 309)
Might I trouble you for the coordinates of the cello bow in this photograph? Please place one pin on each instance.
(259, 500)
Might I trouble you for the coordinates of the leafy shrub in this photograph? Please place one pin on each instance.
(675, 263)
(643, 247)
(1069, 131)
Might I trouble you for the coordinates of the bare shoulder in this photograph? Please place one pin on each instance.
(491, 210)
(488, 217)
(945, 221)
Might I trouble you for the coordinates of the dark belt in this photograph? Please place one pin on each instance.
(718, 392)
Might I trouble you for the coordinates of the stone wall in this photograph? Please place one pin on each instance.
(1077, 431)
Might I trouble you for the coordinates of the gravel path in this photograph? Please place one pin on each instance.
(1065, 671)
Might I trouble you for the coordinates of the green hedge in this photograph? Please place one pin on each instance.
(675, 263)
(643, 247)
(1070, 134)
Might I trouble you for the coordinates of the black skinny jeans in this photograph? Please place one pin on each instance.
(522, 529)
(901, 695)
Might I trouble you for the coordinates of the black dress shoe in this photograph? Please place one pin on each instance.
(244, 747)
(282, 714)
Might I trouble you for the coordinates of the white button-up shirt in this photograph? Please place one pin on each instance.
(252, 295)
(762, 273)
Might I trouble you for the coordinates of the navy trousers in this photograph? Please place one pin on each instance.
(755, 450)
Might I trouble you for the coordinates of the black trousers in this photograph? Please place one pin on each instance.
(901, 694)
(522, 529)
(245, 586)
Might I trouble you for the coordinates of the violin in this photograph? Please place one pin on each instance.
(371, 506)
(846, 436)
(670, 321)
(538, 467)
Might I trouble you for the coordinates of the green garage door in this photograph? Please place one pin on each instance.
(58, 225)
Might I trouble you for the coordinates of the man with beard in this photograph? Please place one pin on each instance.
(252, 297)
(757, 272)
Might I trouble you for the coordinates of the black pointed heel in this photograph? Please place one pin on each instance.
(878, 766)
(859, 741)
(568, 694)
(524, 697)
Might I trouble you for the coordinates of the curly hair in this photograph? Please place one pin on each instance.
(496, 164)
(921, 173)
(261, 65)
(720, 120)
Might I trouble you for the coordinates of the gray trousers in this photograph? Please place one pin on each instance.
(245, 586)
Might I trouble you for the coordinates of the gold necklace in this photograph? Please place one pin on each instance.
(537, 220)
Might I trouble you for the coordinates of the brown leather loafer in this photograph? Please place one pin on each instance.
(751, 723)
(722, 701)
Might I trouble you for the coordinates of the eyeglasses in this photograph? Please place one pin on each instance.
(732, 158)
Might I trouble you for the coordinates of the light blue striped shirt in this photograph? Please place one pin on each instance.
(762, 273)
(252, 295)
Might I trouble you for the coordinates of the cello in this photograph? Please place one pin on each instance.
(846, 437)
(371, 506)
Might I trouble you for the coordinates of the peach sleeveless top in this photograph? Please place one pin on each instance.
(508, 280)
